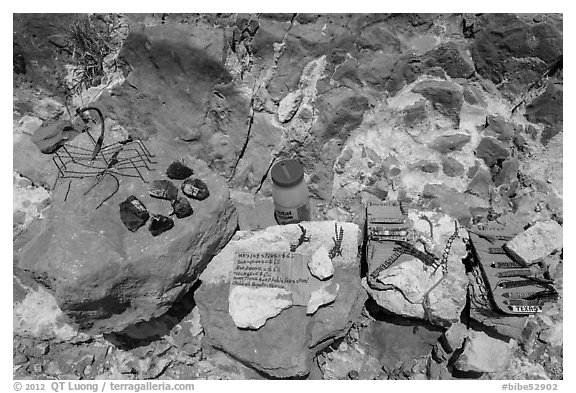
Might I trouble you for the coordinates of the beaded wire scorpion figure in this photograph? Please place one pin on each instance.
(125, 159)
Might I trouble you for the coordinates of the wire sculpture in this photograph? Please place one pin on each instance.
(337, 248)
(303, 239)
(127, 158)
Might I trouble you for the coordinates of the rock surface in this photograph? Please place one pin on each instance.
(484, 354)
(510, 49)
(320, 264)
(360, 100)
(106, 277)
(251, 307)
(285, 345)
(491, 151)
(453, 58)
(173, 70)
(536, 243)
(447, 143)
(455, 335)
(325, 295)
(446, 98)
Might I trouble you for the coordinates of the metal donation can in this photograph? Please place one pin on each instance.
(289, 192)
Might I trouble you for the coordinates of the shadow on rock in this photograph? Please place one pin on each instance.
(144, 333)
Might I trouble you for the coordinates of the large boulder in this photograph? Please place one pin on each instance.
(286, 343)
(106, 277)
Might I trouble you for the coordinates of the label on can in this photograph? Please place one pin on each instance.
(291, 216)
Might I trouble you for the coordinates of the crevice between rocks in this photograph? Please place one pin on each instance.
(265, 175)
(250, 122)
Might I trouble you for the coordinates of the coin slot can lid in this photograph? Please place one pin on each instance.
(287, 173)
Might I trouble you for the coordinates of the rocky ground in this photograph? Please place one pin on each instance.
(458, 116)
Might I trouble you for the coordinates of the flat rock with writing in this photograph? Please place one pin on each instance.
(286, 344)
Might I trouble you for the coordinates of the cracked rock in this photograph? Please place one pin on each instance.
(536, 243)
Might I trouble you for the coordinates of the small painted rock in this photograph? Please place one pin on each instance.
(196, 189)
(160, 224)
(178, 171)
(163, 189)
(182, 207)
(133, 213)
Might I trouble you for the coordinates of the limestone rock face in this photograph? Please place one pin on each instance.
(452, 167)
(251, 307)
(289, 105)
(452, 58)
(547, 109)
(320, 264)
(484, 354)
(285, 344)
(447, 143)
(481, 183)
(259, 154)
(491, 150)
(536, 243)
(445, 97)
(501, 49)
(106, 277)
(508, 173)
(500, 128)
